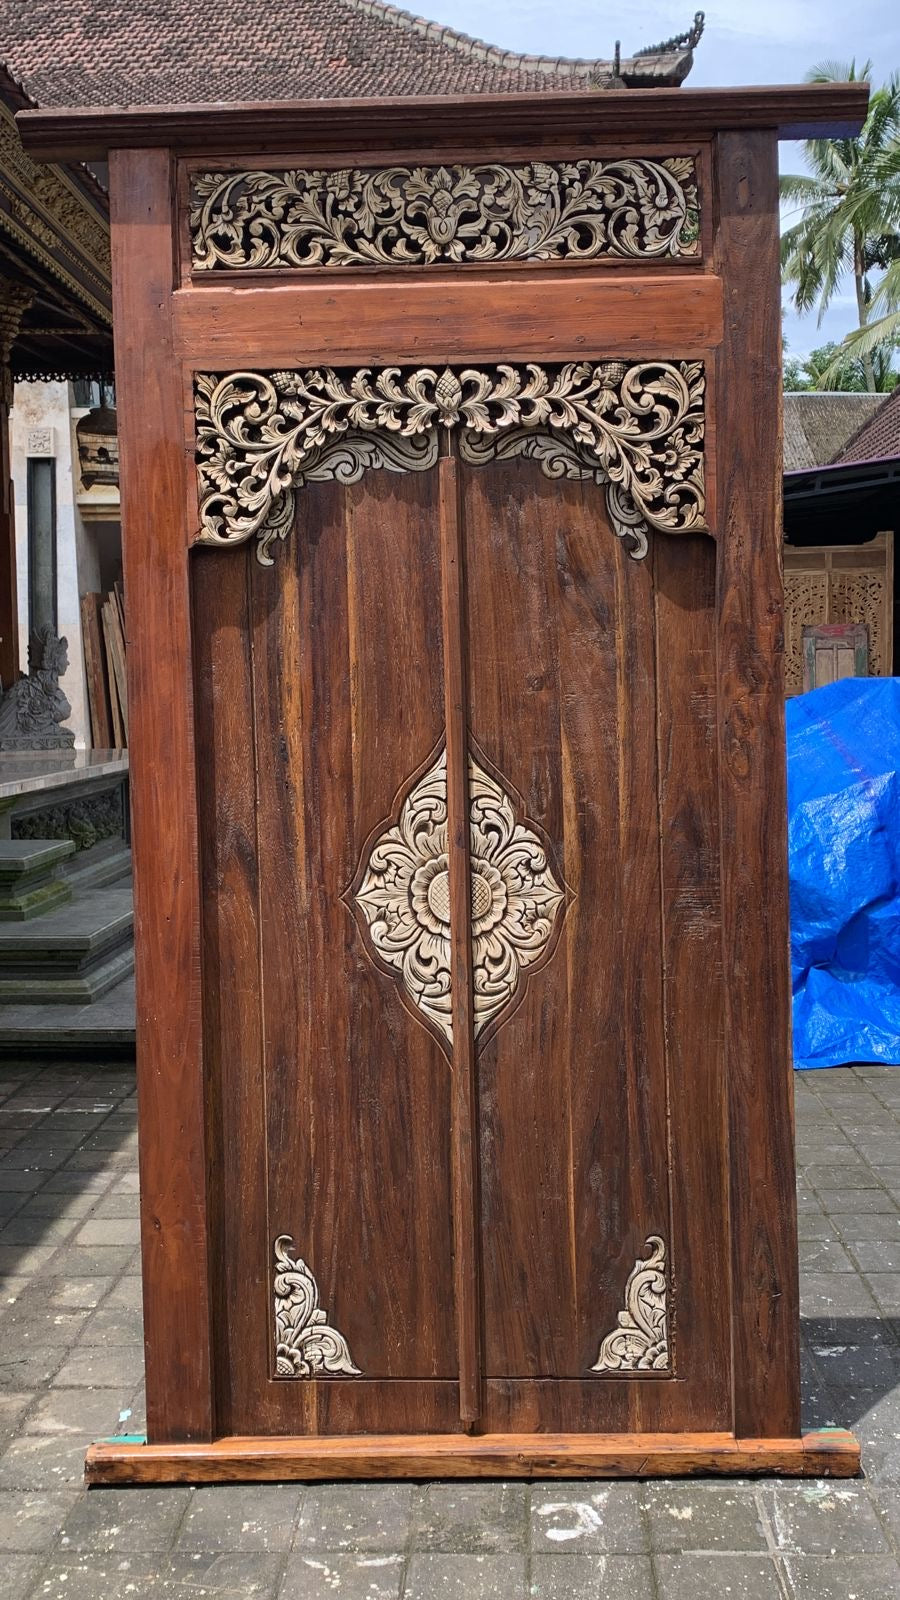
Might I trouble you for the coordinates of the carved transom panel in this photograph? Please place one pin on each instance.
(633, 207)
(637, 430)
(402, 901)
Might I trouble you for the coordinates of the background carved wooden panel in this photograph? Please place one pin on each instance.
(839, 583)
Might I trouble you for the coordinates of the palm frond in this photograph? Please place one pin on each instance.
(874, 336)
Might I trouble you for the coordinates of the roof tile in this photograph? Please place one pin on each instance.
(152, 52)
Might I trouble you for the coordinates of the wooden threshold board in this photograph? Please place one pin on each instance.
(830, 1453)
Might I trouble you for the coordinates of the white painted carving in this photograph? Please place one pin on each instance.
(305, 1345)
(631, 207)
(640, 1341)
(638, 430)
(404, 897)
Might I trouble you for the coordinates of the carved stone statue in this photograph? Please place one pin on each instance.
(32, 710)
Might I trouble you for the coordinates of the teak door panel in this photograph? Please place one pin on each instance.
(331, 1089)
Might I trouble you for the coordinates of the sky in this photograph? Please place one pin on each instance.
(745, 42)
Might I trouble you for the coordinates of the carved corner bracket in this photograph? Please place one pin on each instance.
(640, 1341)
(305, 1345)
(638, 430)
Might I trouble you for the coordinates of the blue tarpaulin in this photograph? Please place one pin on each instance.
(843, 745)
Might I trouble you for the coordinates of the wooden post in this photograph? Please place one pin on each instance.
(753, 796)
(164, 809)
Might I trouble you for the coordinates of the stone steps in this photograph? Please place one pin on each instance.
(31, 877)
(71, 955)
(108, 862)
(104, 1027)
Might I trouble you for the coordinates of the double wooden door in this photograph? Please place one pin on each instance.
(463, 1008)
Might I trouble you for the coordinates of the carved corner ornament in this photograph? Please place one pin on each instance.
(640, 1342)
(638, 430)
(401, 899)
(633, 207)
(305, 1345)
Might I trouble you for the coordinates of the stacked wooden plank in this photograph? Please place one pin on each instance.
(103, 636)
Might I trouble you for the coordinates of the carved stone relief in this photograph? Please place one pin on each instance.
(640, 1342)
(638, 430)
(33, 710)
(424, 216)
(305, 1345)
(402, 902)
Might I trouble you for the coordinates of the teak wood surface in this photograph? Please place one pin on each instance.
(471, 1208)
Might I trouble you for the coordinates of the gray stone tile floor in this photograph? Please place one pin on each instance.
(70, 1370)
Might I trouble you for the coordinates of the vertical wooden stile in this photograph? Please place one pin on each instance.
(177, 1319)
(753, 799)
(464, 1144)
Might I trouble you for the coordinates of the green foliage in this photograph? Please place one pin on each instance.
(833, 366)
(849, 225)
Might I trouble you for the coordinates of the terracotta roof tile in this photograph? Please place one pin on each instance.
(878, 437)
(152, 52)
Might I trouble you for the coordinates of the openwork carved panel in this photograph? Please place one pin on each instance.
(638, 430)
(305, 1345)
(640, 1342)
(805, 603)
(426, 216)
(862, 597)
(402, 902)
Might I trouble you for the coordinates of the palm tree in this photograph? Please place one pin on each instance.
(850, 208)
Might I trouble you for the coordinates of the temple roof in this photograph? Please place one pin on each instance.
(154, 52)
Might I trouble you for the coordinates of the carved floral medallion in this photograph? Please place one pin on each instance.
(402, 901)
(640, 1341)
(638, 430)
(305, 1345)
(634, 207)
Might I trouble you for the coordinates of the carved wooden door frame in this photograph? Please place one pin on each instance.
(677, 295)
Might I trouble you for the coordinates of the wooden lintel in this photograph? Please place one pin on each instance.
(541, 317)
(831, 1453)
(800, 111)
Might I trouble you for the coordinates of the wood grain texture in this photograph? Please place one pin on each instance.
(793, 111)
(177, 1329)
(832, 1453)
(464, 1111)
(757, 1052)
(692, 977)
(348, 704)
(572, 1083)
(528, 316)
(232, 991)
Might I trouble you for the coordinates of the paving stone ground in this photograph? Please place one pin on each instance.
(70, 1370)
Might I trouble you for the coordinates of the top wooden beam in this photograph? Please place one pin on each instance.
(792, 111)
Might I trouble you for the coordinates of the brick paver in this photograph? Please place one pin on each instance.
(70, 1369)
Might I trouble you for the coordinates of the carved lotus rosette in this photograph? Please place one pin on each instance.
(402, 899)
(640, 1341)
(631, 207)
(638, 430)
(305, 1345)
